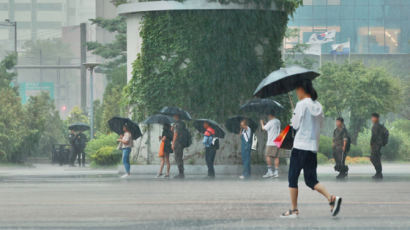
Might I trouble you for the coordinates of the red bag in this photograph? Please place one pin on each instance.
(161, 149)
(285, 138)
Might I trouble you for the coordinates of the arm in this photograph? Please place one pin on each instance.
(262, 125)
(297, 117)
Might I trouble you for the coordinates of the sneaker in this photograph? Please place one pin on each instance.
(159, 176)
(276, 174)
(291, 214)
(166, 176)
(125, 176)
(242, 177)
(268, 174)
(335, 204)
(378, 176)
(179, 176)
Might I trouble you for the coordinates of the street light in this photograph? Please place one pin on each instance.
(90, 66)
(14, 24)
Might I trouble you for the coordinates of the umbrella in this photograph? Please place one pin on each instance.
(116, 124)
(259, 105)
(233, 124)
(283, 81)
(199, 125)
(81, 127)
(159, 119)
(171, 111)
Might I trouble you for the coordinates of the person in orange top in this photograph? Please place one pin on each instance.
(210, 150)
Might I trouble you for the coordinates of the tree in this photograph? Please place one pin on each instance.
(7, 74)
(358, 91)
(76, 116)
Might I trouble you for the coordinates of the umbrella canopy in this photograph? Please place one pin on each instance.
(199, 125)
(233, 124)
(259, 105)
(116, 124)
(79, 127)
(171, 111)
(283, 81)
(159, 119)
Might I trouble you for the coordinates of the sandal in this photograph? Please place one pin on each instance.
(335, 204)
(290, 214)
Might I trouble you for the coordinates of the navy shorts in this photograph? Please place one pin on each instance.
(306, 160)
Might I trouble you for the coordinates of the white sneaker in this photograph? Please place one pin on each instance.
(241, 177)
(268, 174)
(125, 176)
(275, 174)
(159, 176)
(290, 214)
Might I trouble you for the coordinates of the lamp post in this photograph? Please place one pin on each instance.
(14, 24)
(90, 66)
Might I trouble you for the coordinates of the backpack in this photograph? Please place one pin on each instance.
(215, 142)
(186, 137)
(385, 136)
(349, 142)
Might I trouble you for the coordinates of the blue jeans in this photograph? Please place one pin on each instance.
(126, 159)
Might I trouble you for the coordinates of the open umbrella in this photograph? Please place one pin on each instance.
(171, 111)
(116, 124)
(159, 119)
(233, 124)
(79, 127)
(199, 125)
(259, 105)
(283, 81)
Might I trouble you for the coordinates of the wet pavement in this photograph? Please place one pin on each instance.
(98, 199)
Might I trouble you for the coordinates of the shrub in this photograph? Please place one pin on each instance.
(102, 140)
(106, 156)
(391, 150)
(322, 158)
(355, 151)
(357, 160)
(325, 146)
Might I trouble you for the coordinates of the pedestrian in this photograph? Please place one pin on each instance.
(272, 127)
(81, 144)
(340, 146)
(307, 119)
(125, 144)
(246, 145)
(210, 150)
(178, 144)
(377, 141)
(166, 139)
(74, 147)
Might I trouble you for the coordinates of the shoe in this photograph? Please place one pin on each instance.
(125, 176)
(166, 176)
(159, 176)
(378, 176)
(242, 177)
(268, 174)
(341, 176)
(276, 174)
(335, 204)
(179, 176)
(291, 214)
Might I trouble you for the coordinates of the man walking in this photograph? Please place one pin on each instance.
(340, 147)
(246, 145)
(272, 127)
(178, 145)
(210, 150)
(377, 141)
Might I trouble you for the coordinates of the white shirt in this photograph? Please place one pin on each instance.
(273, 130)
(246, 133)
(127, 138)
(307, 120)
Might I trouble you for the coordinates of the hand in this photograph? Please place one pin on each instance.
(119, 140)
(164, 138)
(344, 149)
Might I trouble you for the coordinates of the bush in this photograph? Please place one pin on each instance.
(102, 140)
(106, 156)
(391, 150)
(355, 151)
(325, 146)
(322, 158)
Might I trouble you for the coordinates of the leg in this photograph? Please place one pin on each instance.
(168, 164)
(268, 161)
(248, 163)
(126, 160)
(179, 158)
(83, 158)
(375, 158)
(211, 169)
(293, 177)
(161, 166)
(294, 197)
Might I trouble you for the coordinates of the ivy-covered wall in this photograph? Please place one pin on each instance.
(207, 61)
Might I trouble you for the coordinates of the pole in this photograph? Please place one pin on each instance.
(15, 38)
(350, 50)
(83, 51)
(91, 103)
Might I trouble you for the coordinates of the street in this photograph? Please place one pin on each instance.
(101, 200)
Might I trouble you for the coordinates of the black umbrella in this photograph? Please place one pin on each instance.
(79, 127)
(233, 124)
(171, 111)
(199, 125)
(259, 105)
(159, 119)
(283, 81)
(116, 124)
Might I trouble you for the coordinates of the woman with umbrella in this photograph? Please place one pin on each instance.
(166, 139)
(126, 144)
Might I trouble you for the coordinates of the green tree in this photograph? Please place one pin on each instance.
(7, 74)
(359, 91)
(111, 106)
(76, 115)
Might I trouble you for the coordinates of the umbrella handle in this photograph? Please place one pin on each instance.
(291, 101)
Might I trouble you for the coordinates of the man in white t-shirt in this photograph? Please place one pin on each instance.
(272, 127)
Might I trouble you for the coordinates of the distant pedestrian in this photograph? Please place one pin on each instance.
(178, 144)
(379, 138)
(340, 144)
(246, 145)
(72, 138)
(307, 119)
(210, 150)
(126, 144)
(165, 139)
(81, 143)
(272, 127)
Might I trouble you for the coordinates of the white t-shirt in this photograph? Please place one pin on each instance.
(246, 133)
(273, 130)
(307, 120)
(127, 138)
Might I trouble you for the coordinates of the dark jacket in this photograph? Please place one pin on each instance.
(377, 135)
(167, 144)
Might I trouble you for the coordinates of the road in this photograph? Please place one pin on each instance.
(103, 201)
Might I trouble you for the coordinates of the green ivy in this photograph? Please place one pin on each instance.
(207, 62)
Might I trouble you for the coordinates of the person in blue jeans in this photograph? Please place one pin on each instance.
(126, 145)
(246, 146)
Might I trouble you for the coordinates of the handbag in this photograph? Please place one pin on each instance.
(161, 149)
(285, 138)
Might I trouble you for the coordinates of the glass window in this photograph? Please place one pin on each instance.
(333, 2)
(304, 12)
(376, 39)
(319, 2)
(348, 2)
(362, 2)
(362, 36)
(361, 12)
(376, 12)
(392, 12)
(319, 12)
(347, 12)
(376, 2)
(333, 12)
